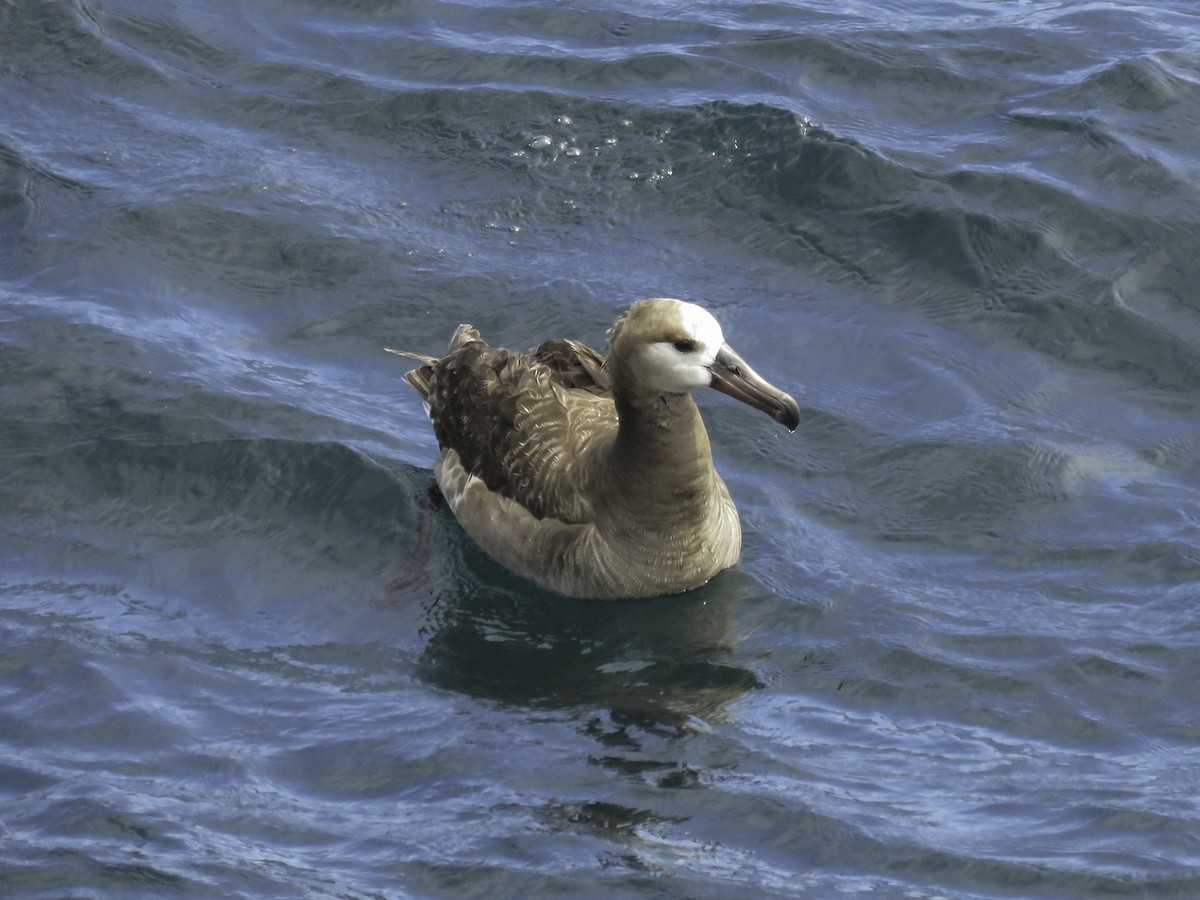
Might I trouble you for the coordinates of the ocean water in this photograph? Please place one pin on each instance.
(240, 656)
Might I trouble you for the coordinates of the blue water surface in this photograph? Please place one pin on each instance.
(243, 655)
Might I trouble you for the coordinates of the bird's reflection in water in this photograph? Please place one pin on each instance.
(648, 681)
(662, 665)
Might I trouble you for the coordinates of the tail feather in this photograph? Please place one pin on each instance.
(420, 377)
(427, 360)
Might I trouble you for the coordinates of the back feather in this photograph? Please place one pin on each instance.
(488, 403)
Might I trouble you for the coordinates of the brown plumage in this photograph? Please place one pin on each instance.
(594, 476)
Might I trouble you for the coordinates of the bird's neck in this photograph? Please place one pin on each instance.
(661, 455)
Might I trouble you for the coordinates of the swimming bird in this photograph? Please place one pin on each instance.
(588, 475)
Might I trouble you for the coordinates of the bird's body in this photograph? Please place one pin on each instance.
(592, 476)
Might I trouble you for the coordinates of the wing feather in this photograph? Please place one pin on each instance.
(526, 424)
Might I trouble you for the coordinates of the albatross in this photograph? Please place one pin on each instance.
(590, 475)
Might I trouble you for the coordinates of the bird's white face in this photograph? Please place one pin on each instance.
(669, 347)
(681, 361)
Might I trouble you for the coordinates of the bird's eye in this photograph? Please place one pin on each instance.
(683, 345)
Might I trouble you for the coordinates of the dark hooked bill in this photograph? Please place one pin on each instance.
(733, 376)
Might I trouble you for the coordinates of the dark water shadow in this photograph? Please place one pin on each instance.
(662, 664)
